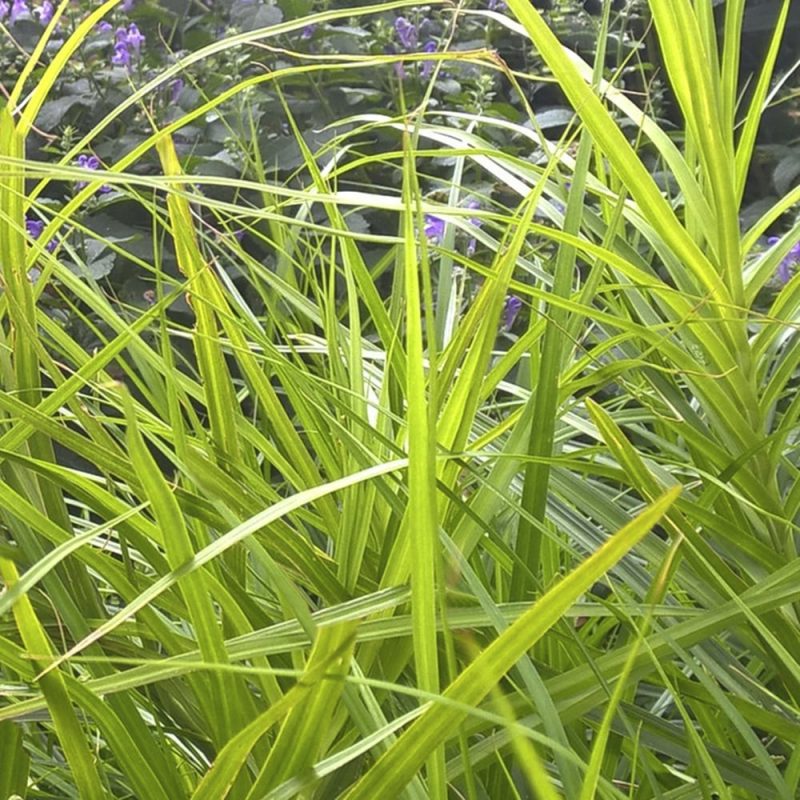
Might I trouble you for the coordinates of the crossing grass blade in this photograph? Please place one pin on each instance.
(229, 704)
(620, 153)
(298, 744)
(216, 380)
(393, 771)
(190, 588)
(303, 709)
(68, 728)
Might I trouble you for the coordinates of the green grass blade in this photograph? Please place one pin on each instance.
(421, 522)
(751, 120)
(70, 733)
(228, 704)
(393, 771)
(219, 391)
(14, 762)
(618, 150)
(299, 744)
(329, 660)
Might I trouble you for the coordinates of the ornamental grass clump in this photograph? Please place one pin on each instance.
(420, 453)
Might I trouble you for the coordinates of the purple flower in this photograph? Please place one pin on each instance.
(127, 5)
(45, 12)
(4, 9)
(90, 162)
(125, 40)
(104, 26)
(510, 311)
(134, 37)
(434, 228)
(427, 66)
(406, 33)
(308, 31)
(496, 5)
(34, 227)
(789, 261)
(121, 56)
(19, 8)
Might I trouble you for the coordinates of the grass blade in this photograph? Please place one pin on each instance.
(391, 773)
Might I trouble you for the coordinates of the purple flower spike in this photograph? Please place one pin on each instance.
(126, 40)
(122, 56)
(4, 9)
(434, 228)
(45, 12)
(19, 8)
(406, 33)
(134, 37)
(427, 66)
(510, 310)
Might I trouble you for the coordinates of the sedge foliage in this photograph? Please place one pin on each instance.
(337, 537)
